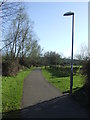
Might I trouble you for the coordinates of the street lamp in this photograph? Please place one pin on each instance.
(71, 76)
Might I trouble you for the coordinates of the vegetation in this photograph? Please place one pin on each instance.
(20, 41)
(22, 50)
(86, 72)
(60, 78)
(12, 88)
(10, 69)
(51, 58)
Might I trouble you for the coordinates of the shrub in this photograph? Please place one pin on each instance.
(86, 71)
(24, 62)
(10, 68)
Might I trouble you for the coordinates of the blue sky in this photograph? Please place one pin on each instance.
(54, 30)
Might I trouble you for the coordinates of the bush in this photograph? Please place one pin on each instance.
(10, 68)
(75, 69)
(86, 71)
(24, 62)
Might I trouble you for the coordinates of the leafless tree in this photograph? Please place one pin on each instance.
(9, 10)
(20, 41)
(82, 53)
(2, 2)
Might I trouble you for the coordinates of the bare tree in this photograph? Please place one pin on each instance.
(2, 2)
(9, 10)
(20, 40)
(82, 53)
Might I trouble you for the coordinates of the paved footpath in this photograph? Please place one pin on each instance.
(42, 100)
(37, 89)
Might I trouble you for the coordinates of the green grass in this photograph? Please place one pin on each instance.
(60, 78)
(12, 90)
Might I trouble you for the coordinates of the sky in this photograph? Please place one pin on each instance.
(55, 30)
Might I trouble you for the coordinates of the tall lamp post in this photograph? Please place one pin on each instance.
(71, 76)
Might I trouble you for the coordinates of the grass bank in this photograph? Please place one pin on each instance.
(60, 78)
(12, 89)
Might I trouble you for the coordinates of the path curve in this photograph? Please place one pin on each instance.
(42, 100)
(36, 89)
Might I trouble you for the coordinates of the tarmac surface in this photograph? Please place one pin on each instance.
(42, 100)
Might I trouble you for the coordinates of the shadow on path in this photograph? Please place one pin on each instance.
(59, 107)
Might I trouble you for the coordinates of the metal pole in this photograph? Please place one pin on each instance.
(71, 76)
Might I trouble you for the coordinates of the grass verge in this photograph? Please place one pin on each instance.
(60, 78)
(12, 90)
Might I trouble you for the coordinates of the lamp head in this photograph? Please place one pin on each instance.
(68, 13)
